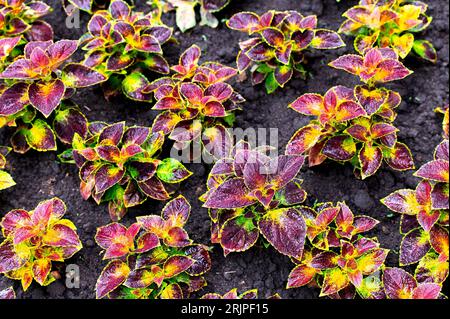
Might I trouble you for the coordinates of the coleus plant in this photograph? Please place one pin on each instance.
(6, 180)
(355, 124)
(424, 224)
(35, 84)
(34, 239)
(399, 284)
(185, 11)
(425, 218)
(7, 293)
(119, 165)
(233, 294)
(22, 17)
(120, 40)
(195, 99)
(152, 258)
(389, 24)
(250, 193)
(33, 132)
(279, 40)
(337, 256)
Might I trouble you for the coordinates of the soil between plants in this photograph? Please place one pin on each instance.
(40, 176)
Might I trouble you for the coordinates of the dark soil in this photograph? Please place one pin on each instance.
(40, 176)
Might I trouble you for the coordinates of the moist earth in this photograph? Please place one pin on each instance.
(40, 176)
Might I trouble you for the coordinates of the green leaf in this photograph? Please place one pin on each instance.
(115, 82)
(66, 157)
(271, 83)
(28, 115)
(425, 50)
(77, 142)
(246, 223)
(229, 119)
(172, 171)
(114, 193)
(264, 68)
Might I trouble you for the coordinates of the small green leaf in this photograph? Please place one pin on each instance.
(28, 115)
(229, 119)
(271, 83)
(425, 50)
(114, 193)
(246, 223)
(264, 68)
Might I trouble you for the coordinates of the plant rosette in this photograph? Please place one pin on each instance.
(152, 258)
(195, 102)
(279, 40)
(389, 24)
(22, 17)
(35, 85)
(375, 66)
(34, 240)
(185, 11)
(250, 193)
(425, 219)
(355, 125)
(119, 165)
(120, 41)
(337, 257)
